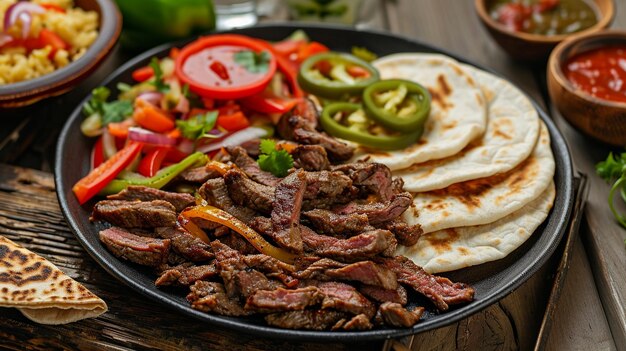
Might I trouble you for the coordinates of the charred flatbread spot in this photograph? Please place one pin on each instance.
(436, 205)
(498, 128)
(450, 125)
(479, 99)
(463, 251)
(443, 240)
(4, 250)
(443, 84)
(34, 267)
(17, 254)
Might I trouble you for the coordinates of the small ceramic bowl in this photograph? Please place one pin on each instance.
(60, 81)
(601, 119)
(535, 47)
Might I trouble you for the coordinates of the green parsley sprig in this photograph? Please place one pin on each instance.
(109, 112)
(254, 62)
(198, 126)
(277, 162)
(158, 82)
(613, 169)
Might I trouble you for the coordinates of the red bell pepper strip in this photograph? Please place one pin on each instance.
(152, 117)
(151, 163)
(267, 103)
(142, 74)
(102, 175)
(52, 7)
(97, 154)
(233, 122)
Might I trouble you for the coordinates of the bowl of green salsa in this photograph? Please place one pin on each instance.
(529, 29)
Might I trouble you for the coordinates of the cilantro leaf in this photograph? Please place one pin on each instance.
(614, 168)
(254, 62)
(115, 111)
(158, 76)
(277, 162)
(197, 126)
(99, 96)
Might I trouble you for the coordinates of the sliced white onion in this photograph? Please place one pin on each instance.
(151, 97)
(183, 105)
(234, 139)
(148, 137)
(24, 11)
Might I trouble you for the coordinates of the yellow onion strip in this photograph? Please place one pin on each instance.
(216, 215)
(193, 229)
(219, 167)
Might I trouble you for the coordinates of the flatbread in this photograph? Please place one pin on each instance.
(457, 248)
(41, 291)
(485, 200)
(512, 132)
(458, 109)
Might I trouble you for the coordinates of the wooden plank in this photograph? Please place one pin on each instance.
(30, 215)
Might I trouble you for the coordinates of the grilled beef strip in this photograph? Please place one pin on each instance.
(215, 192)
(310, 267)
(249, 281)
(305, 319)
(252, 147)
(304, 114)
(198, 175)
(358, 322)
(286, 211)
(310, 158)
(379, 294)
(394, 315)
(332, 223)
(138, 249)
(251, 168)
(135, 214)
(248, 193)
(211, 297)
(344, 297)
(143, 193)
(366, 272)
(185, 244)
(373, 178)
(284, 299)
(359, 247)
(237, 242)
(272, 268)
(407, 234)
(185, 276)
(441, 291)
(379, 212)
(327, 188)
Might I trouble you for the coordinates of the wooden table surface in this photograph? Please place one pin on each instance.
(589, 313)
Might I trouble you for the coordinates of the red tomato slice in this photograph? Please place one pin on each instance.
(151, 163)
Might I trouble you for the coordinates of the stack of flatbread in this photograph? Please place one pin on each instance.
(41, 291)
(482, 173)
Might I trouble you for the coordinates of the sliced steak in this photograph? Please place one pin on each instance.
(379, 294)
(373, 178)
(306, 319)
(303, 115)
(272, 268)
(249, 281)
(185, 276)
(344, 297)
(366, 272)
(186, 244)
(286, 211)
(394, 315)
(144, 193)
(407, 235)
(135, 214)
(215, 192)
(337, 151)
(198, 175)
(379, 212)
(211, 297)
(252, 147)
(326, 188)
(358, 322)
(228, 262)
(284, 299)
(356, 248)
(441, 291)
(237, 242)
(314, 267)
(332, 223)
(310, 158)
(138, 249)
(248, 193)
(251, 168)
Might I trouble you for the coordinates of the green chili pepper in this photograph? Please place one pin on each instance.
(333, 75)
(397, 104)
(358, 128)
(160, 179)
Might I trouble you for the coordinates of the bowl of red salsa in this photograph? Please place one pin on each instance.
(587, 84)
(529, 29)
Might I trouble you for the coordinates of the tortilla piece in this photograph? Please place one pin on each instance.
(457, 248)
(512, 132)
(458, 112)
(41, 291)
(485, 200)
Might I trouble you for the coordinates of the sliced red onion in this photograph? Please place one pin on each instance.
(234, 139)
(146, 136)
(151, 97)
(183, 105)
(186, 146)
(24, 11)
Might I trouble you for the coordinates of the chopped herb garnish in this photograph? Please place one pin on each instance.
(123, 87)
(364, 54)
(115, 111)
(255, 62)
(613, 169)
(277, 162)
(185, 90)
(197, 126)
(159, 84)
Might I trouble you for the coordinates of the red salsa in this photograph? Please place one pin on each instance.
(600, 72)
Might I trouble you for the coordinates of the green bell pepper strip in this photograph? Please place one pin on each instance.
(160, 179)
(381, 142)
(396, 97)
(338, 81)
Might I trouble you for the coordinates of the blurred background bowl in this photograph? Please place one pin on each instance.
(535, 47)
(601, 119)
(60, 81)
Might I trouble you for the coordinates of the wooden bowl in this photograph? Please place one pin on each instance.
(535, 47)
(60, 81)
(601, 119)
